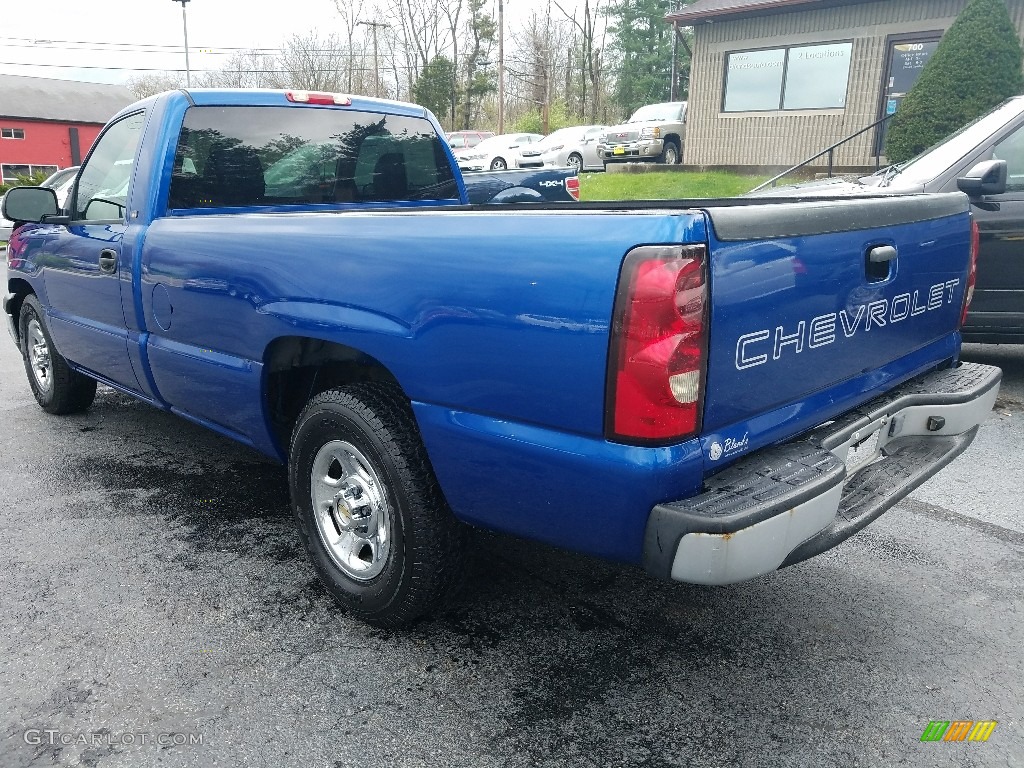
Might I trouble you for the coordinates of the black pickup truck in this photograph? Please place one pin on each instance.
(986, 160)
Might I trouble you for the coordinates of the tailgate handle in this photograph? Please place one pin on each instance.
(882, 253)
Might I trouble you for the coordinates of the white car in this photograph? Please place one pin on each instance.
(6, 225)
(569, 147)
(60, 181)
(496, 153)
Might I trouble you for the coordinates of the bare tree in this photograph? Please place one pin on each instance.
(245, 69)
(350, 11)
(452, 11)
(543, 47)
(589, 57)
(152, 83)
(420, 33)
(312, 63)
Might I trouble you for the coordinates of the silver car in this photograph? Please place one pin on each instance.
(569, 147)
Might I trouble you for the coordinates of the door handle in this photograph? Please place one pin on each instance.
(882, 253)
(108, 261)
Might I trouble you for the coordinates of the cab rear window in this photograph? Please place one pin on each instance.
(274, 156)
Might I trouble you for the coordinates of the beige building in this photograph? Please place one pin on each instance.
(775, 81)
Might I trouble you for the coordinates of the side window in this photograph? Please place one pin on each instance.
(1011, 149)
(102, 193)
(282, 156)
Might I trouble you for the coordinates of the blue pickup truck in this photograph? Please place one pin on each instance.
(709, 389)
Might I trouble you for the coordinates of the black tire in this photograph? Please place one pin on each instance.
(669, 153)
(411, 557)
(57, 388)
(499, 164)
(576, 162)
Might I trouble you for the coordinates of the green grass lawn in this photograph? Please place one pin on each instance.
(664, 186)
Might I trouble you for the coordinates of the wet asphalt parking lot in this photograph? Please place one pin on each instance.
(152, 591)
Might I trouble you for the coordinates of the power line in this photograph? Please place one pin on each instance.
(49, 43)
(334, 70)
(162, 52)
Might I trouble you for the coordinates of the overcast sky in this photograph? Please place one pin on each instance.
(96, 37)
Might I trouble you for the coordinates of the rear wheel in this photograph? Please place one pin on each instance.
(56, 387)
(575, 162)
(370, 512)
(670, 153)
(499, 164)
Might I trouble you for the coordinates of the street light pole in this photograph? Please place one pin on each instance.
(184, 25)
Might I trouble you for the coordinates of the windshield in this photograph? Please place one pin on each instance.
(663, 112)
(60, 177)
(494, 143)
(560, 136)
(501, 142)
(933, 161)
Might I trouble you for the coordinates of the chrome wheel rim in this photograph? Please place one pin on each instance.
(498, 165)
(575, 163)
(352, 514)
(39, 355)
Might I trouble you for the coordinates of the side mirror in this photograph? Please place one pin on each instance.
(986, 178)
(30, 204)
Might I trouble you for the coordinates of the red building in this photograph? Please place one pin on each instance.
(47, 124)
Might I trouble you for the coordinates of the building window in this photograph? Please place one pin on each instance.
(11, 173)
(12, 133)
(798, 77)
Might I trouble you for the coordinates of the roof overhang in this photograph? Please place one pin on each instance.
(727, 10)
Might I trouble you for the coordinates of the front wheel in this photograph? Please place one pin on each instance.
(575, 162)
(499, 164)
(670, 154)
(370, 512)
(57, 388)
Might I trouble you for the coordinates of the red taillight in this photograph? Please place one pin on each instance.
(572, 186)
(972, 272)
(310, 97)
(658, 346)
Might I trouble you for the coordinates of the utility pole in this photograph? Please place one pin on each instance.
(501, 66)
(675, 63)
(376, 64)
(184, 24)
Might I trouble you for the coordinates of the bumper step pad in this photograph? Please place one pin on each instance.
(745, 521)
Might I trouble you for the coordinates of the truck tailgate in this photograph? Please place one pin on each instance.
(830, 299)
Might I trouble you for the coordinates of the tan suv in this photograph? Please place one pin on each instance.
(654, 133)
